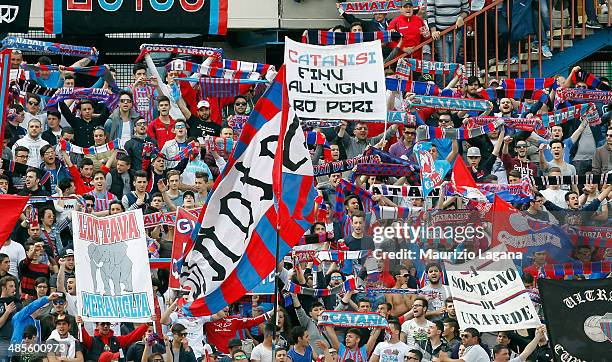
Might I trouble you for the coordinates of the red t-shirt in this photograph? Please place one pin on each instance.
(221, 331)
(410, 28)
(161, 132)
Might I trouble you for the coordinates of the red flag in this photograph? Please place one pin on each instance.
(11, 206)
(183, 228)
(464, 183)
(499, 218)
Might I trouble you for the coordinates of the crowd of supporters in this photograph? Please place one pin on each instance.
(157, 119)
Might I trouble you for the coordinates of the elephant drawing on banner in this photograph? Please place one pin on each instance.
(114, 264)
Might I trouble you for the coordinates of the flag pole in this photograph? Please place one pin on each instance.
(277, 176)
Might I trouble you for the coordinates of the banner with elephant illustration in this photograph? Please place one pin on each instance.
(112, 263)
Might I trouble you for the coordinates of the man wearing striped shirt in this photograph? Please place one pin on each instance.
(100, 193)
(442, 14)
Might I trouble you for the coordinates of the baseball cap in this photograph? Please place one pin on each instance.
(493, 80)
(234, 342)
(203, 103)
(407, 2)
(68, 252)
(108, 356)
(61, 318)
(473, 152)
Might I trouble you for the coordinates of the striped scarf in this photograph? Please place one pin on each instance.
(218, 144)
(93, 71)
(545, 181)
(590, 80)
(204, 52)
(529, 83)
(93, 150)
(558, 271)
(583, 95)
(216, 72)
(455, 104)
(320, 124)
(402, 291)
(94, 94)
(592, 236)
(522, 124)
(49, 48)
(433, 68)
(570, 113)
(343, 165)
(30, 86)
(419, 88)
(389, 158)
(339, 256)
(429, 132)
(220, 87)
(150, 151)
(371, 7)
(389, 169)
(352, 320)
(349, 284)
(400, 191)
(394, 213)
(322, 37)
(344, 187)
(243, 66)
(499, 93)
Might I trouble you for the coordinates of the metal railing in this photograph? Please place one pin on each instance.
(520, 56)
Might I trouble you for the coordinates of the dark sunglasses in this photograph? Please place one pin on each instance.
(240, 103)
(125, 101)
(33, 103)
(410, 133)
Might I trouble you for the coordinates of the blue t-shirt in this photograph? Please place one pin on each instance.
(296, 357)
(566, 151)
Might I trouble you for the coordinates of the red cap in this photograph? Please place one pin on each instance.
(108, 356)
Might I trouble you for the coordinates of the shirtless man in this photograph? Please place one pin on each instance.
(402, 303)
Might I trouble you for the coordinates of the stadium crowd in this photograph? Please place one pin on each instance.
(162, 162)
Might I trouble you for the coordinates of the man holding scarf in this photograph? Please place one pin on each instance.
(84, 126)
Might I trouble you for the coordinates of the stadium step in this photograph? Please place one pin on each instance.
(567, 32)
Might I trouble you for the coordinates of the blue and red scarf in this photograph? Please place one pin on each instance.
(322, 37)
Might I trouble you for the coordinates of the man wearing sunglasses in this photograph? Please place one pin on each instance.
(104, 339)
(120, 124)
(474, 352)
(175, 146)
(180, 344)
(521, 162)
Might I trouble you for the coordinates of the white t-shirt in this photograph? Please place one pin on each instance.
(391, 352)
(195, 331)
(475, 353)
(557, 197)
(125, 134)
(416, 335)
(261, 353)
(16, 254)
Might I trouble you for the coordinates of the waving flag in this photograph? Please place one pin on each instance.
(263, 199)
(463, 183)
(11, 207)
(520, 233)
(432, 172)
